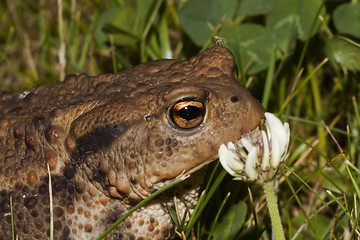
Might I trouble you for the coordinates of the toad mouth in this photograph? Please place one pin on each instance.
(256, 133)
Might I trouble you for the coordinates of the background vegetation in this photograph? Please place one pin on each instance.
(300, 58)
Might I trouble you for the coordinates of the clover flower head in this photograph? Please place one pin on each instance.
(258, 155)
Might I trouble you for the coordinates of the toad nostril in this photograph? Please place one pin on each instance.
(234, 99)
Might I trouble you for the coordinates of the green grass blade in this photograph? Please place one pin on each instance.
(154, 14)
(218, 215)
(302, 85)
(139, 205)
(197, 211)
(269, 78)
(317, 196)
(343, 208)
(353, 181)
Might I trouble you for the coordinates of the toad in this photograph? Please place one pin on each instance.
(113, 139)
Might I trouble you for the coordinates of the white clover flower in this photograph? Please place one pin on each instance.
(258, 154)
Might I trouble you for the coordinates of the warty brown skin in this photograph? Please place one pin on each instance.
(111, 140)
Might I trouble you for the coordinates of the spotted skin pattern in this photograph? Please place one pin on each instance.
(111, 140)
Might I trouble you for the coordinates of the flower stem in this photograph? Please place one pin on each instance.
(273, 210)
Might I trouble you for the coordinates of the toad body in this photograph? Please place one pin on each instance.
(112, 140)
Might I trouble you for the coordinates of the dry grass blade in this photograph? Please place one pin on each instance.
(51, 206)
(62, 59)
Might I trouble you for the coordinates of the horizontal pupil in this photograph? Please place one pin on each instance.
(189, 112)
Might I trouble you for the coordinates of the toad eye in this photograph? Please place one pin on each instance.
(187, 114)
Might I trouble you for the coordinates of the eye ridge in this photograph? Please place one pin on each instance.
(187, 114)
